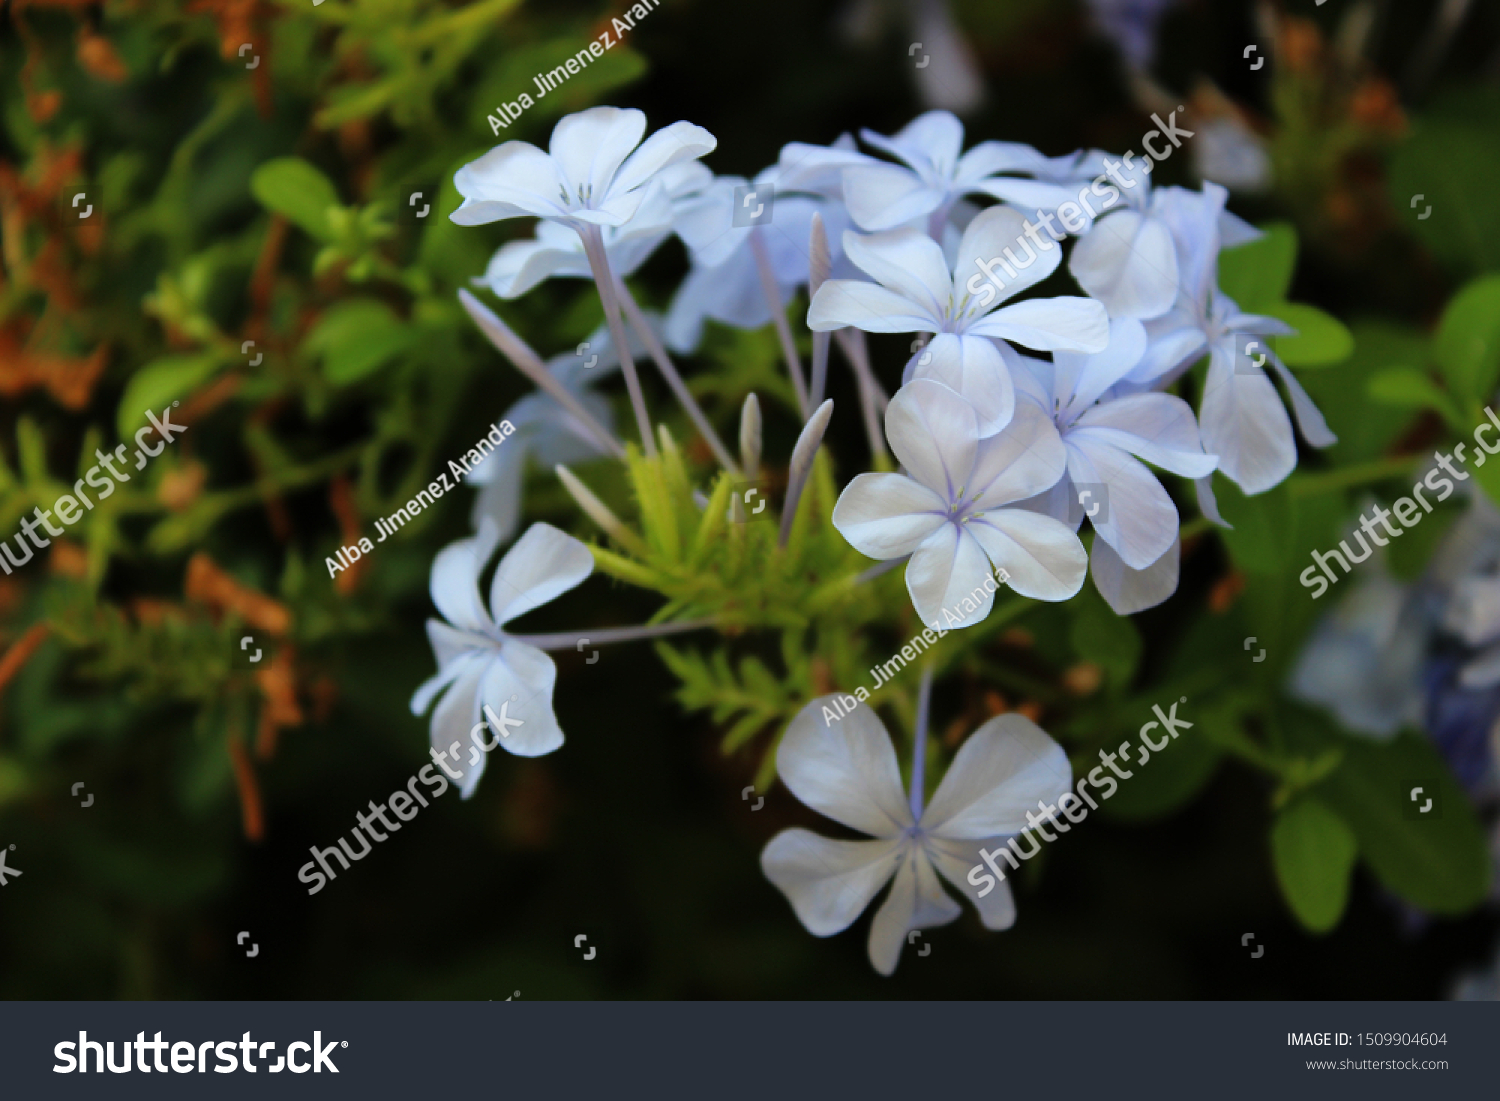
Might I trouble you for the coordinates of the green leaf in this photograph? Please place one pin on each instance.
(1365, 430)
(1439, 861)
(160, 382)
(1321, 340)
(356, 336)
(1409, 388)
(1468, 339)
(292, 187)
(1313, 850)
(1258, 274)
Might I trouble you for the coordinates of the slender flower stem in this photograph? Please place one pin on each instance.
(569, 640)
(604, 280)
(821, 343)
(530, 364)
(1376, 471)
(872, 399)
(778, 318)
(674, 380)
(919, 745)
(880, 569)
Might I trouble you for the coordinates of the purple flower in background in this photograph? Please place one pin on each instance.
(1131, 26)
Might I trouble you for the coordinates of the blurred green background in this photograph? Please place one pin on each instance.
(211, 778)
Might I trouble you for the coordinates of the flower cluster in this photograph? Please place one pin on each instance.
(1018, 416)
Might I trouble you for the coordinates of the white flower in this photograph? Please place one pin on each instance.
(847, 770)
(914, 292)
(557, 250)
(936, 174)
(589, 176)
(547, 432)
(1102, 431)
(1241, 416)
(478, 663)
(949, 510)
(1129, 258)
(724, 283)
(1365, 659)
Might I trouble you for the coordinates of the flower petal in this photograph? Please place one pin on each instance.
(1244, 423)
(887, 515)
(955, 860)
(450, 648)
(997, 237)
(1044, 559)
(519, 687)
(1128, 591)
(1127, 262)
(1159, 428)
(949, 579)
(542, 565)
(1020, 462)
(829, 883)
(885, 196)
(1081, 380)
(454, 717)
(934, 432)
(681, 141)
(917, 901)
(868, 306)
(1033, 195)
(1174, 340)
(972, 366)
(908, 262)
(1049, 324)
(589, 147)
(455, 579)
(930, 142)
(844, 768)
(1005, 768)
(512, 179)
(1314, 428)
(1140, 521)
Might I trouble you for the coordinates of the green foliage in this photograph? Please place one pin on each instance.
(356, 337)
(1438, 862)
(1258, 275)
(1468, 341)
(1451, 161)
(1314, 851)
(291, 187)
(254, 265)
